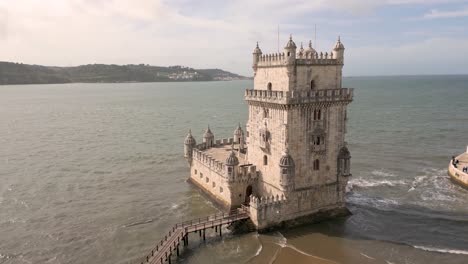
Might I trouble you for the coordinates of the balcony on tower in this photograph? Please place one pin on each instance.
(300, 97)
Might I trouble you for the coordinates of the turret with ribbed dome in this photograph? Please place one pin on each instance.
(208, 138)
(290, 50)
(231, 164)
(232, 160)
(287, 168)
(338, 50)
(189, 144)
(239, 137)
(256, 55)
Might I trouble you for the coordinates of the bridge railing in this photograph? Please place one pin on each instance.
(169, 242)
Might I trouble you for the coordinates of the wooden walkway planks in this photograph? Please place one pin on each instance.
(163, 251)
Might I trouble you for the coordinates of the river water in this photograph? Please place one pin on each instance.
(94, 173)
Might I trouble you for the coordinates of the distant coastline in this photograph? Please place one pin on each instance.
(19, 73)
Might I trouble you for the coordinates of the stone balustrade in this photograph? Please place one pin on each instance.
(279, 59)
(299, 97)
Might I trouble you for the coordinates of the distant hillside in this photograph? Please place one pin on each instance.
(18, 73)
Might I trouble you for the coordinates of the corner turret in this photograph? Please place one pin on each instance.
(239, 137)
(256, 56)
(208, 138)
(290, 50)
(189, 144)
(231, 163)
(338, 51)
(344, 162)
(287, 168)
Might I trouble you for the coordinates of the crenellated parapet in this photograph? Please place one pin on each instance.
(267, 211)
(262, 203)
(246, 174)
(299, 97)
(208, 161)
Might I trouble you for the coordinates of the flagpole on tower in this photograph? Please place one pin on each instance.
(278, 38)
(315, 36)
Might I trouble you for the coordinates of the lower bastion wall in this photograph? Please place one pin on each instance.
(273, 211)
(211, 175)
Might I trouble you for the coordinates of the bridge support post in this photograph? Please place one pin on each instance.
(170, 258)
(177, 250)
(204, 231)
(199, 232)
(220, 233)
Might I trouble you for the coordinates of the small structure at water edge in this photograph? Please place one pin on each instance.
(291, 164)
(458, 169)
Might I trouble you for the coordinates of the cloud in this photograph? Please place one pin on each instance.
(434, 13)
(201, 33)
(419, 57)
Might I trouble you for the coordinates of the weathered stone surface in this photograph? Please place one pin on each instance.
(294, 163)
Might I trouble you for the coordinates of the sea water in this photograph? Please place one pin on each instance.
(94, 173)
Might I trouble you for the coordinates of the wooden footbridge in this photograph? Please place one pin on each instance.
(164, 249)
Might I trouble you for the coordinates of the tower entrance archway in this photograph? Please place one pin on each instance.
(248, 192)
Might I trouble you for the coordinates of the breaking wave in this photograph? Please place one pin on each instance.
(362, 183)
(443, 250)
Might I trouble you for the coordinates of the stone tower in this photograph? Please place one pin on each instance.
(292, 162)
(296, 127)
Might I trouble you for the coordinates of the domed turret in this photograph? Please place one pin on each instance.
(256, 56)
(232, 160)
(286, 160)
(290, 50)
(189, 144)
(344, 161)
(309, 51)
(190, 140)
(231, 164)
(208, 138)
(338, 50)
(239, 137)
(287, 168)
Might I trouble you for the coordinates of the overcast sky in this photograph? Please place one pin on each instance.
(382, 37)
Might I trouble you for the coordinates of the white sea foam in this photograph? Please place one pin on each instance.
(259, 250)
(363, 183)
(382, 173)
(283, 242)
(443, 250)
(366, 255)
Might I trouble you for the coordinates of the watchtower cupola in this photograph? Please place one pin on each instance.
(208, 138)
(338, 51)
(290, 50)
(287, 168)
(344, 162)
(189, 144)
(256, 56)
(239, 137)
(231, 165)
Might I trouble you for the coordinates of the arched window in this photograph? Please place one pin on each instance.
(312, 85)
(316, 164)
(289, 54)
(319, 115)
(265, 160)
(269, 86)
